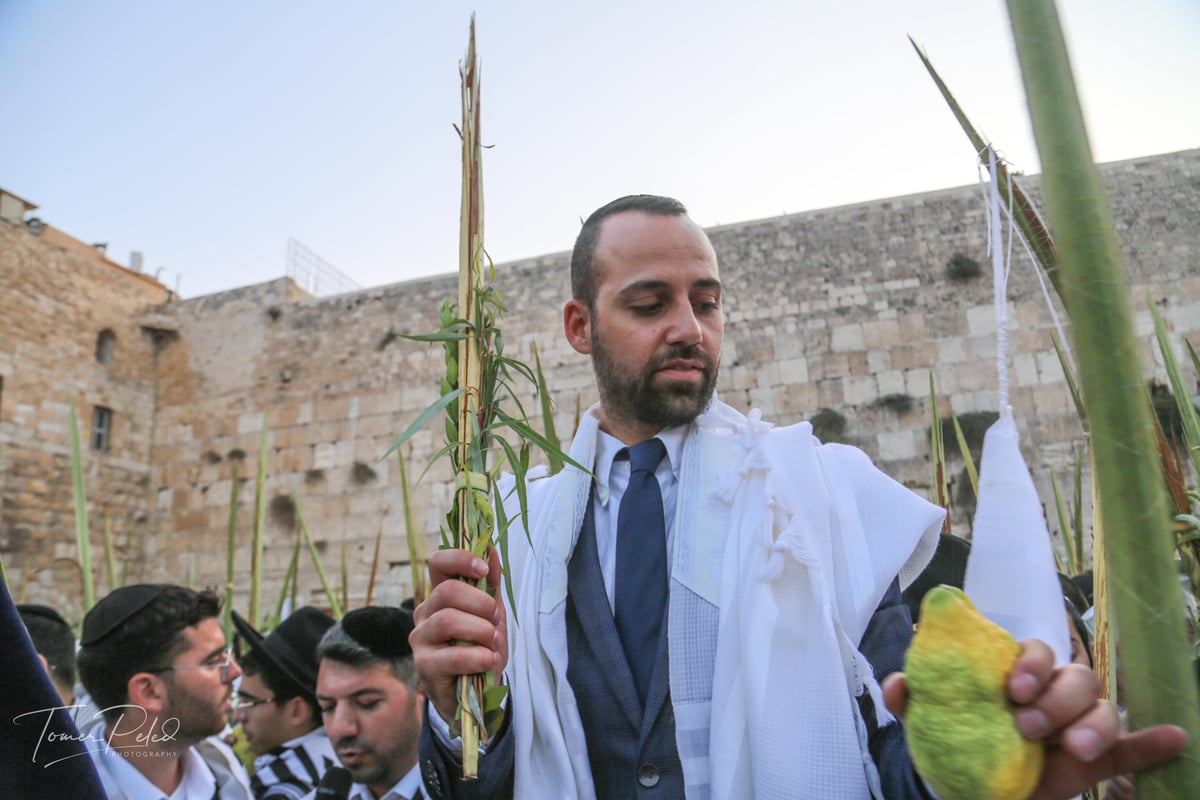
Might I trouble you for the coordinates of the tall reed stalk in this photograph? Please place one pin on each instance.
(230, 550)
(937, 492)
(1157, 673)
(83, 543)
(414, 537)
(479, 405)
(289, 582)
(374, 565)
(471, 526)
(110, 556)
(330, 594)
(260, 520)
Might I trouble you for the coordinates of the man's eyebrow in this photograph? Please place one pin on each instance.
(248, 695)
(654, 284)
(647, 285)
(219, 651)
(322, 698)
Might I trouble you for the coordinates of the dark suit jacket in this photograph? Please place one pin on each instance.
(31, 765)
(632, 752)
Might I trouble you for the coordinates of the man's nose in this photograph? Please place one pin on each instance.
(684, 326)
(340, 722)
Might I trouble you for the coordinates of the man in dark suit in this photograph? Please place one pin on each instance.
(604, 703)
(40, 749)
(371, 703)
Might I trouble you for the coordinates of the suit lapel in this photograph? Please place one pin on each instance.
(585, 584)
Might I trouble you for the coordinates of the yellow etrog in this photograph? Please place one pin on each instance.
(959, 724)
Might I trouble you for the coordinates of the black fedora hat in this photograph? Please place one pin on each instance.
(291, 648)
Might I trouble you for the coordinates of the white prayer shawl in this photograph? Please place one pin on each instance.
(782, 550)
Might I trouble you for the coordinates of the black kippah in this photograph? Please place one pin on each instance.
(383, 630)
(116, 609)
(45, 612)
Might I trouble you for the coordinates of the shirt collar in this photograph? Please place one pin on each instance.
(409, 787)
(198, 781)
(607, 447)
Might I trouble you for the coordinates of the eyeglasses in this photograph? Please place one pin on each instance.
(246, 703)
(223, 665)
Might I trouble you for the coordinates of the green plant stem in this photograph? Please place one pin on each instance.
(1158, 677)
(330, 594)
(470, 368)
(260, 517)
(83, 542)
(938, 491)
(230, 549)
(414, 538)
(289, 581)
(110, 556)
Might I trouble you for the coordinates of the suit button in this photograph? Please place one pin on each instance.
(648, 775)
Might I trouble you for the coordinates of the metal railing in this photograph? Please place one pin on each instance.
(314, 274)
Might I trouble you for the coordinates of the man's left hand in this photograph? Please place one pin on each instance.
(1084, 744)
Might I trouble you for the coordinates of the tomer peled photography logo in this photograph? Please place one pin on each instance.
(133, 721)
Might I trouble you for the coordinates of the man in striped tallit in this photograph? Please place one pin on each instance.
(277, 707)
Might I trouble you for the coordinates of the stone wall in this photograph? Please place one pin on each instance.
(844, 309)
(58, 295)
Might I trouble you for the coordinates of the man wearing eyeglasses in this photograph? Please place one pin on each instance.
(277, 706)
(155, 661)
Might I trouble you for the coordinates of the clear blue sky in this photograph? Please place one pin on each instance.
(206, 132)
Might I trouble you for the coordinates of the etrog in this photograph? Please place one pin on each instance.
(959, 723)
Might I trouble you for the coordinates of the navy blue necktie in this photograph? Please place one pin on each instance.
(641, 581)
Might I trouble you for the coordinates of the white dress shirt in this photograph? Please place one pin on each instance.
(407, 788)
(198, 781)
(612, 479)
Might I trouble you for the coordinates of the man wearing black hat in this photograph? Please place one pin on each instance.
(277, 705)
(55, 644)
(156, 663)
(371, 702)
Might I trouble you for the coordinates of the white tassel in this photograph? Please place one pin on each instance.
(1011, 576)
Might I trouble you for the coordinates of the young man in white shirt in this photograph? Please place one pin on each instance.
(155, 661)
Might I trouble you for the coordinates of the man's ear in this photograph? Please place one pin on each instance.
(577, 325)
(298, 711)
(148, 691)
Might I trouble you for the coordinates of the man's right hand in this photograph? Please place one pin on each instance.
(454, 614)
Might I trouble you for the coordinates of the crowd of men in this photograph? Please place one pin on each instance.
(159, 686)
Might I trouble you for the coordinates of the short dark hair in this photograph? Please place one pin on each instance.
(583, 280)
(948, 566)
(1083, 581)
(282, 688)
(53, 639)
(337, 645)
(145, 642)
(1073, 593)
